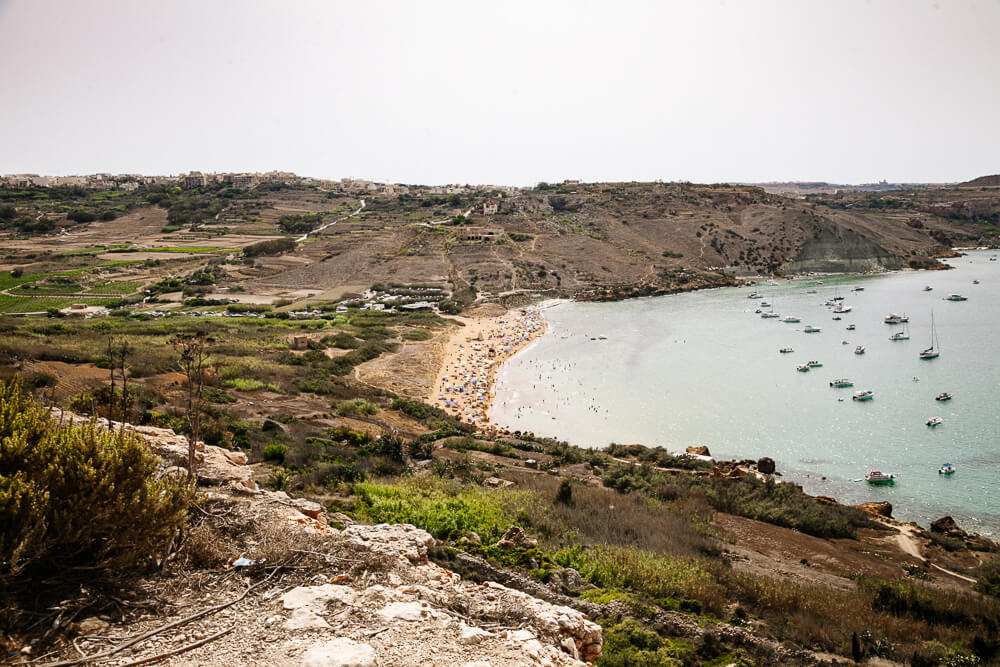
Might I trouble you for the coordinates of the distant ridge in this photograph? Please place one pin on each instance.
(982, 182)
(822, 187)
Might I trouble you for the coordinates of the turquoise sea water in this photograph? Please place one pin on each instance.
(703, 368)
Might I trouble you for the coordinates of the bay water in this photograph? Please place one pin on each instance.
(703, 368)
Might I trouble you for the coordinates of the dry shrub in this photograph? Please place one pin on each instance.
(600, 516)
(206, 548)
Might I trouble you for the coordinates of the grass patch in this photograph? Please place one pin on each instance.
(250, 384)
(445, 511)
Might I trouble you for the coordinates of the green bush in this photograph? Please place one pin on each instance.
(78, 497)
(272, 247)
(275, 452)
(342, 340)
(628, 643)
(418, 334)
(356, 406)
(989, 578)
(442, 510)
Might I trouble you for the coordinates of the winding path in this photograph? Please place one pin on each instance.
(329, 224)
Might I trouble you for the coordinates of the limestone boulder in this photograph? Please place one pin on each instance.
(765, 465)
(515, 538)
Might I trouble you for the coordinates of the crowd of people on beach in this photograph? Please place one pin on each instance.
(467, 384)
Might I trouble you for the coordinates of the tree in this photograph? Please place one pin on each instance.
(564, 496)
(192, 353)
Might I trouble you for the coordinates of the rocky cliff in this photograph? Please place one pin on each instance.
(358, 596)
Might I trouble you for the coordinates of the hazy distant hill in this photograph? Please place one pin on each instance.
(983, 182)
(822, 187)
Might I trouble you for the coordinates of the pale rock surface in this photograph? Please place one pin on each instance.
(405, 611)
(340, 652)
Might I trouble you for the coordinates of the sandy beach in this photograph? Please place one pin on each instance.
(473, 355)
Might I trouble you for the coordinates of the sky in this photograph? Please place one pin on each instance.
(506, 92)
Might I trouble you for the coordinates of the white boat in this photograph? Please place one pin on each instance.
(927, 288)
(879, 477)
(956, 297)
(814, 364)
(765, 304)
(946, 469)
(755, 295)
(804, 368)
(811, 329)
(865, 395)
(786, 350)
(858, 289)
(893, 318)
(860, 349)
(841, 308)
(791, 319)
(900, 335)
(933, 351)
(943, 396)
(850, 327)
(837, 318)
(934, 421)
(767, 314)
(841, 382)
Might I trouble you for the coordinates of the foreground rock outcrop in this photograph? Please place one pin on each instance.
(372, 597)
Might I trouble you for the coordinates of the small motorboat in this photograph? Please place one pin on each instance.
(841, 382)
(956, 297)
(934, 421)
(813, 364)
(893, 318)
(755, 295)
(850, 327)
(767, 314)
(804, 368)
(860, 349)
(879, 477)
(899, 335)
(975, 282)
(765, 304)
(791, 319)
(786, 350)
(927, 288)
(865, 395)
(811, 329)
(841, 308)
(943, 396)
(858, 289)
(946, 469)
(837, 318)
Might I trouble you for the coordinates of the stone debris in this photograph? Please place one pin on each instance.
(515, 538)
(497, 483)
(340, 652)
(401, 540)
(392, 606)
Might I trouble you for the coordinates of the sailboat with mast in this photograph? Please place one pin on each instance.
(934, 350)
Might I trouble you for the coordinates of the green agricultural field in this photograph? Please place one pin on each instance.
(191, 249)
(37, 304)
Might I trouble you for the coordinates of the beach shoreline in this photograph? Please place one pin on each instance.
(465, 385)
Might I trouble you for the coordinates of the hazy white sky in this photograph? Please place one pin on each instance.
(504, 92)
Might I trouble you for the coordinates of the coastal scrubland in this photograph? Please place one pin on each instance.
(656, 543)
